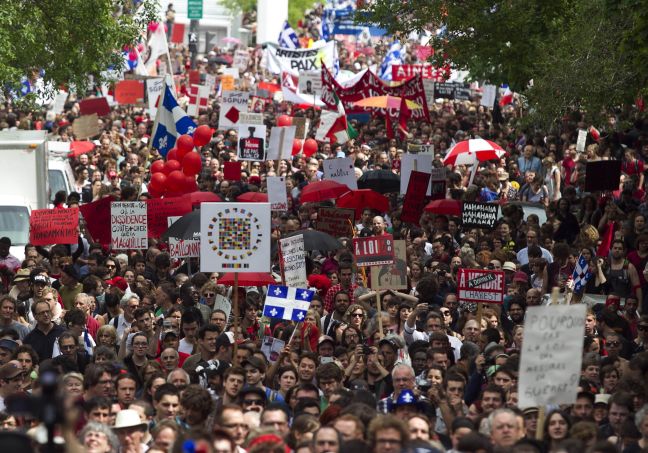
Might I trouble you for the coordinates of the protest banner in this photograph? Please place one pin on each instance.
(153, 90)
(241, 60)
(97, 219)
(415, 197)
(251, 118)
(227, 83)
(438, 183)
(281, 141)
(233, 103)
(310, 82)
(251, 144)
(420, 162)
(427, 71)
(198, 99)
(370, 85)
(602, 175)
(94, 105)
(338, 222)
(277, 196)
(271, 348)
(293, 256)
(551, 355)
(392, 276)
(182, 248)
(300, 60)
(341, 170)
(129, 92)
(452, 90)
(86, 126)
(159, 209)
(480, 286)
(129, 225)
(54, 226)
(235, 237)
(479, 215)
(580, 142)
(374, 250)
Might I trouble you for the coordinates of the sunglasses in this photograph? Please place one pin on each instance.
(209, 294)
(614, 343)
(358, 315)
(255, 402)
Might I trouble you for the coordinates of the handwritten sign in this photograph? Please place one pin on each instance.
(53, 226)
(374, 250)
(159, 209)
(552, 352)
(582, 139)
(294, 261)
(392, 276)
(336, 221)
(129, 92)
(341, 170)
(129, 225)
(415, 196)
(480, 215)
(277, 196)
(182, 248)
(480, 286)
(153, 91)
(86, 126)
(227, 82)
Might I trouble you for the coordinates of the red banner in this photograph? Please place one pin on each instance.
(369, 85)
(178, 33)
(97, 218)
(374, 250)
(54, 226)
(480, 286)
(129, 92)
(415, 196)
(94, 105)
(158, 209)
(407, 71)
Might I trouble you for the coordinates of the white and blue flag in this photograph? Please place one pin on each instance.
(581, 274)
(288, 38)
(287, 303)
(170, 122)
(393, 57)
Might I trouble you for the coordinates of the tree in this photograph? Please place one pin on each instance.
(562, 55)
(66, 41)
(296, 8)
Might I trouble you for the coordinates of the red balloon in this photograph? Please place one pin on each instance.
(170, 194)
(185, 142)
(297, 146)
(202, 135)
(284, 120)
(172, 154)
(182, 153)
(158, 181)
(154, 192)
(190, 184)
(175, 181)
(171, 166)
(310, 147)
(157, 166)
(191, 164)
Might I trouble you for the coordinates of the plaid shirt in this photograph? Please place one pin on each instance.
(329, 302)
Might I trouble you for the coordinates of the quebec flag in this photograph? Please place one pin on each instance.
(393, 57)
(288, 38)
(581, 274)
(170, 122)
(287, 303)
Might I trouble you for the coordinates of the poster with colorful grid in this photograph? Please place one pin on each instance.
(235, 237)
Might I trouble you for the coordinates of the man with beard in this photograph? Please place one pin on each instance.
(196, 405)
(330, 322)
(190, 296)
(516, 311)
(211, 346)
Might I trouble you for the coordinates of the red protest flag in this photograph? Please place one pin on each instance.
(97, 217)
(232, 171)
(159, 209)
(178, 33)
(404, 115)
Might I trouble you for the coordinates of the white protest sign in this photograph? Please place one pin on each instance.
(251, 144)
(129, 225)
(210, 81)
(181, 248)
(271, 348)
(251, 118)
(294, 261)
(281, 141)
(295, 61)
(59, 102)
(420, 162)
(198, 98)
(580, 143)
(428, 87)
(233, 103)
(310, 82)
(277, 196)
(235, 237)
(241, 60)
(341, 170)
(231, 71)
(153, 91)
(488, 96)
(551, 356)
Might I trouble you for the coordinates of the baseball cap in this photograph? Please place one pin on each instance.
(255, 362)
(248, 389)
(39, 279)
(225, 339)
(5, 240)
(166, 333)
(8, 344)
(10, 370)
(509, 266)
(393, 340)
(324, 338)
(521, 277)
(602, 398)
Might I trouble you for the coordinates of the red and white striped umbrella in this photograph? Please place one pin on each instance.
(469, 152)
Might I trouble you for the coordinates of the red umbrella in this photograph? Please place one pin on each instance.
(445, 206)
(202, 197)
(469, 152)
(253, 197)
(322, 190)
(363, 198)
(78, 147)
(248, 279)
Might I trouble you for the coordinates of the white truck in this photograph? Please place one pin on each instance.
(24, 183)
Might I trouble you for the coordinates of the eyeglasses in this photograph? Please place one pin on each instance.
(357, 315)
(209, 294)
(110, 266)
(255, 402)
(614, 343)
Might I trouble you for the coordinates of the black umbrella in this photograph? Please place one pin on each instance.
(186, 227)
(382, 181)
(317, 240)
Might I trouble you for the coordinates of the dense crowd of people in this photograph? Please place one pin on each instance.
(145, 355)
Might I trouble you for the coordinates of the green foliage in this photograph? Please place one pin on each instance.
(296, 8)
(68, 40)
(562, 55)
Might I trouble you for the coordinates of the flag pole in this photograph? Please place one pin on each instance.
(236, 314)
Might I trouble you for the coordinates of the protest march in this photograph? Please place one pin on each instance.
(319, 242)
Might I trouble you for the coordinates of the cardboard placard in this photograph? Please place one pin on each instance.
(94, 105)
(415, 197)
(129, 225)
(277, 196)
(129, 92)
(310, 82)
(86, 126)
(374, 250)
(227, 83)
(420, 162)
(251, 118)
(338, 222)
(178, 33)
(341, 170)
(182, 248)
(241, 60)
(281, 141)
(154, 89)
(301, 125)
(552, 354)
(479, 215)
(489, 92)
(233, 103)
(251, 144)
(271, 348)
(438, 183)
(293, 257)
(97, 218)
(54, 226)
(480, 286)
(160, 209)
(602, 175)
(580, 142)
(392, 276)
